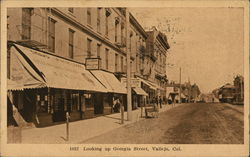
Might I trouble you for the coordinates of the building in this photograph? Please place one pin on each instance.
(155, 61)
(74, 60)
(239, 89)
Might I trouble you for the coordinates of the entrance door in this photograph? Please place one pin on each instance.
(59, 113)
(98, 103)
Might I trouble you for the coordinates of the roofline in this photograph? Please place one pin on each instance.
(135, 23)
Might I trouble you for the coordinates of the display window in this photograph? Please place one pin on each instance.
(42, 102)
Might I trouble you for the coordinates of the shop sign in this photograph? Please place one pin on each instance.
(134, 82)
(92, 63)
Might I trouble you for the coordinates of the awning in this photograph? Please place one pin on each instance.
(147, 83)
(139, 91)
(155, 86)
(33, 69)
(14, 85)
(109, 80)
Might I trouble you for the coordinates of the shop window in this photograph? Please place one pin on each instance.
(88, 100)
(42, 102)
(75, 102)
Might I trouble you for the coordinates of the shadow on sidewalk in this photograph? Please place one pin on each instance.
(113, 117)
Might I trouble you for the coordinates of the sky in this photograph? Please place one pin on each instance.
(206, 43)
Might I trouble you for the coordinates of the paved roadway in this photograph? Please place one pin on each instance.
(194, 123)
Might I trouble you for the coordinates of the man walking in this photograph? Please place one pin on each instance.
(160, 101)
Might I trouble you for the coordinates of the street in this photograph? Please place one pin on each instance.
(194, 123)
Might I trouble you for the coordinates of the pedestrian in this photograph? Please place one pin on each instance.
(116, 104)
(160, 101)
(156, 101)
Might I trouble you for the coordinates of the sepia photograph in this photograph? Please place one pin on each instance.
(141, 78)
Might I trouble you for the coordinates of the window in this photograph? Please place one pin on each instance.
(75, 102)
(89, 48)
(130, 48)
(137, 63)
(71, 43)
(107, 58)
(98, 50)
(89, 16)
(116, 27)
(51, 42)
(106, 25)
(99, 20)
(123, 40)
(71, 10)
(26, 23)
(121, 63)
(136, 37)
(116, 62)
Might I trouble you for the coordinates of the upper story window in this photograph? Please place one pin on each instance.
(121, 64)
(89, 48)
(99, 20)
(107, 13)
(122, 33)
(51, 34)
(98, 50)
(71, 43)
(26, 23)
(117, 20)
(89, 16)
(106, 25)
(107, 58)
(116, 62)
(71, 10)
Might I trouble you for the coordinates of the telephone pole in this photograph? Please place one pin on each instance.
(129, 104)
(180, 87)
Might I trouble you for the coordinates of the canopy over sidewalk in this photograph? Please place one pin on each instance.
(109, 80)
(30, 68)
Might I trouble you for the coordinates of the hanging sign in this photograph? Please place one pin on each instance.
(92, 63)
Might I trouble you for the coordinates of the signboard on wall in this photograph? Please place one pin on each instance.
(92, 63)
(134, 82)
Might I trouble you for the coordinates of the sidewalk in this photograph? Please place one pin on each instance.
(81, 130)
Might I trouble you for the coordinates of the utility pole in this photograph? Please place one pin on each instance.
(129, 104)
(189, 89)
(180, 87)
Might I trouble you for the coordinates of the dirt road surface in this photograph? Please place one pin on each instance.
(194, 123)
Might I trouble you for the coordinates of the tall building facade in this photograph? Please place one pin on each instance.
(69, 57)
(155, 60)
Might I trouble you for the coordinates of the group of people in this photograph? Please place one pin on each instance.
(158, 101)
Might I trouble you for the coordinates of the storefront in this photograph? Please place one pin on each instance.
(43, 87)
(139, 95)
(115, 89)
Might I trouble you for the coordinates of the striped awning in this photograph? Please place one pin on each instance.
(30, 68)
